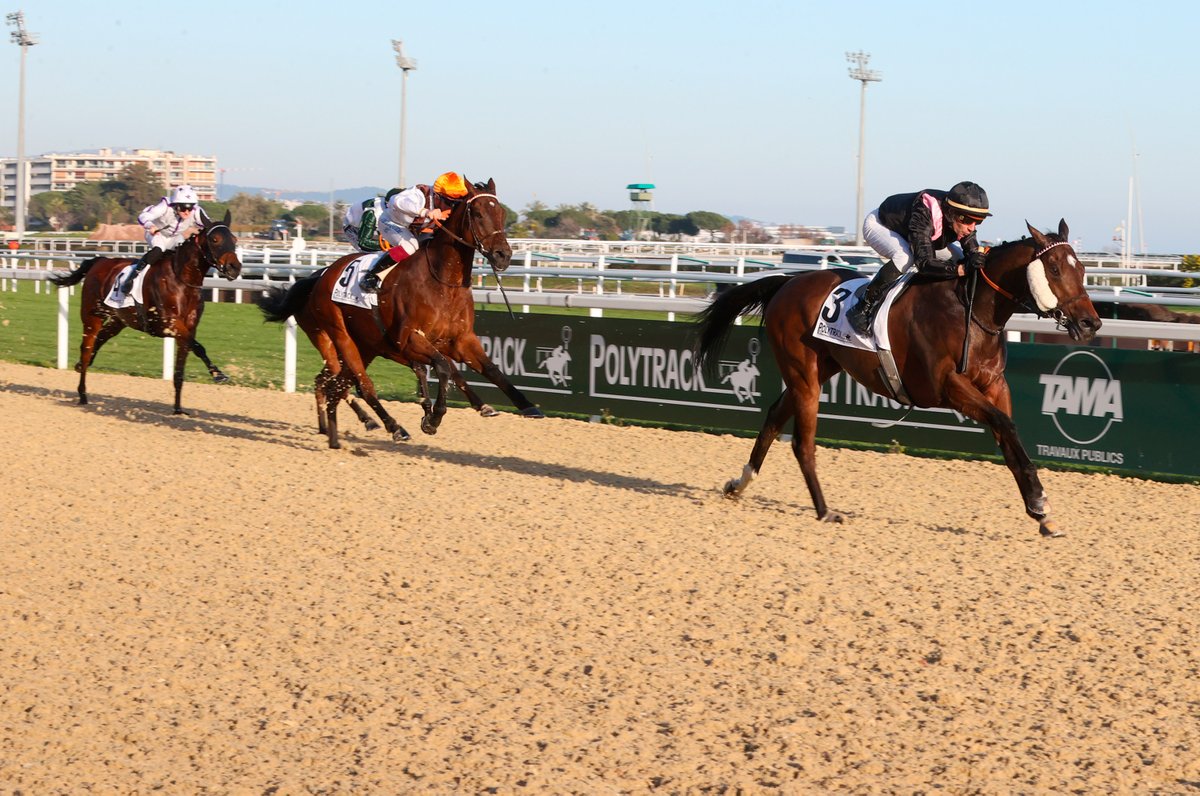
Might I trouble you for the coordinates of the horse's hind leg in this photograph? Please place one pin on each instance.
(213, 370)
(181, 355)
(97, 330)
(779, 413)
(804, 376)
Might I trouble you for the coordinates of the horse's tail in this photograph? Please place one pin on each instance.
(715, 321)
(280, 303)
(76, 276)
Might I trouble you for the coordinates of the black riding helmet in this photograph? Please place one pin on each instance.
(968, 199)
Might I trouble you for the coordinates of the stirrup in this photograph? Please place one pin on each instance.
(861, 317)
(369, 283)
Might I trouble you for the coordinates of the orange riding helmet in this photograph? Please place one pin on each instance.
(450, 184)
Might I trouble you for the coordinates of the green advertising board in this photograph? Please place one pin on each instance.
(1128, 411)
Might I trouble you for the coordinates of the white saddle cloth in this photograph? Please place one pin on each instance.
(347, 289)
(833, 327)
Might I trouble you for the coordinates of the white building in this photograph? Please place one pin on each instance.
(62, 172)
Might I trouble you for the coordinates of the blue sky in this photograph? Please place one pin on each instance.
(740, 108)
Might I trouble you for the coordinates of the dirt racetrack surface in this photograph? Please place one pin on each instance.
(220, 604)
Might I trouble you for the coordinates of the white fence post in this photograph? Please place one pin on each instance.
(525, 283)
(671, 289)
(64, 331)
(597, 312)
(289, 355)
(168, 358)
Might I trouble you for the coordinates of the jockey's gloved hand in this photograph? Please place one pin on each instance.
(975, 260)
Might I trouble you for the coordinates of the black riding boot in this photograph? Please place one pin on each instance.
(863, 313)
(149, 258)
(370, 282)
(370, 279)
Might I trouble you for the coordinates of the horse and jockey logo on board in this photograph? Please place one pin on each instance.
(556, 360)
(742, 377)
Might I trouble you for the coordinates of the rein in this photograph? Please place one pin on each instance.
(478, 247)
(471, 224)
(205, 256)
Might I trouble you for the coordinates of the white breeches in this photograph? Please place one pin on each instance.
(891, 245)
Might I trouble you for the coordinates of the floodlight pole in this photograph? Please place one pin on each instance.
(406, 65)
(24, 39)
(860, 72)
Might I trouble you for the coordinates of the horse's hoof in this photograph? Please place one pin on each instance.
(400, 435)
(832, 516)
(532, 411)
(181, 412)
(220, 378)
(730, 489)
(370, 425)
(487, 411)
(428, 427)
(1049, 529)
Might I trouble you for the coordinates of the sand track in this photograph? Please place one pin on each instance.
(218, 603)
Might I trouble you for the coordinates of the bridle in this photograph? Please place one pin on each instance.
(478, 246)
(207, 260)
(1057, 315)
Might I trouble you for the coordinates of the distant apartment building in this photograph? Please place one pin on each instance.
(62, 172)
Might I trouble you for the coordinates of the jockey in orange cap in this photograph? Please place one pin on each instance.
(395, 214)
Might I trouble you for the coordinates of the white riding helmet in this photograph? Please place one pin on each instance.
(184, 195)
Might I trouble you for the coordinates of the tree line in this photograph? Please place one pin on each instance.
(120, 201)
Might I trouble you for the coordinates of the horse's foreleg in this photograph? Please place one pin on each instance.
(994, 411)
(470, 351)
(444, 369)
(213, 370)
(181, 355)
(422, 374)
(369, 423)
(777, 415)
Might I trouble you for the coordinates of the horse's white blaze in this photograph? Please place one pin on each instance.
(1039, 286)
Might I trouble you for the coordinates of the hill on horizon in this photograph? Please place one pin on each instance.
(226, 192)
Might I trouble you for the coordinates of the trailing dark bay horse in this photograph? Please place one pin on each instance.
(425, 316)
(173, 296)
(926, 325)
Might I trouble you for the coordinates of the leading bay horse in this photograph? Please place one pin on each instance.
(173, 296)
(926, 325)
(425, 316)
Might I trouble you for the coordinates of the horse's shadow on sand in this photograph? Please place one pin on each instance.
(280, 432)
(143, 411)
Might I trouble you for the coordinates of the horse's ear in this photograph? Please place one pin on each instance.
(491, 186)
(1038, 237)
(227, 217)
(1062, 228)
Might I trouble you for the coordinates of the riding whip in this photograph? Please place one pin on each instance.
(971, 280)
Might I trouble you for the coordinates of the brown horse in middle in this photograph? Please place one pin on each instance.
(425, 316)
